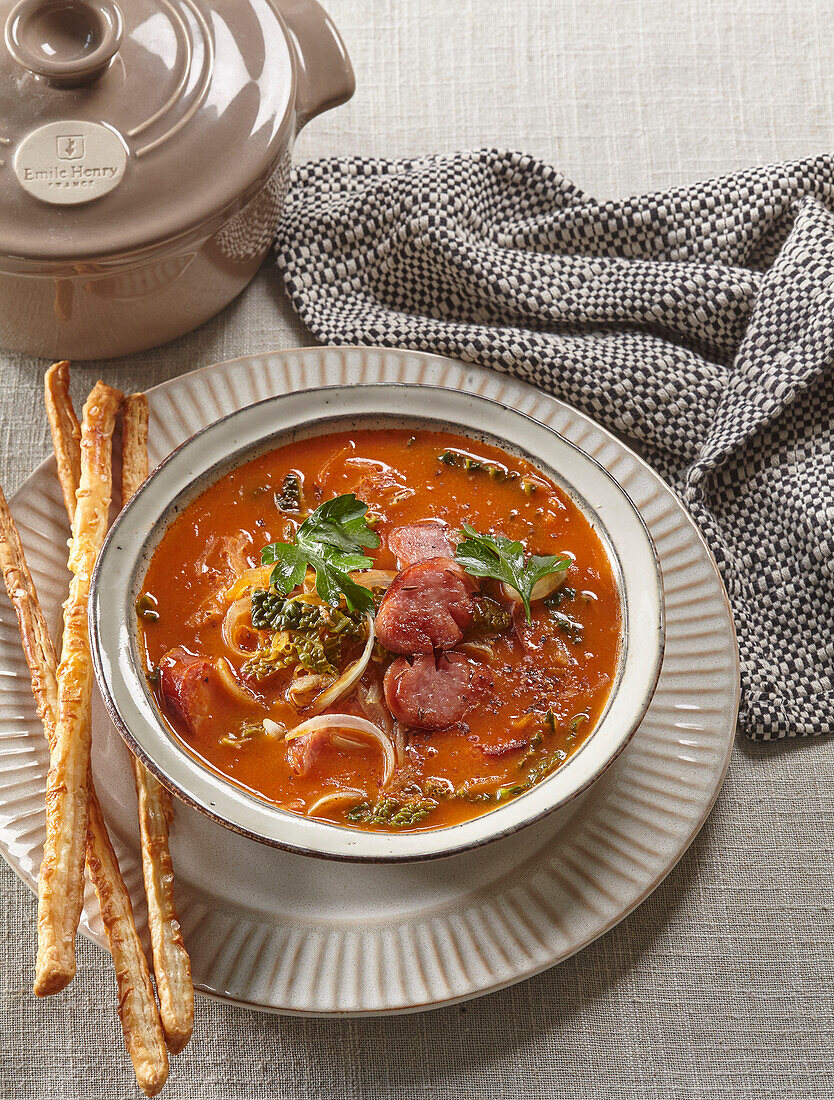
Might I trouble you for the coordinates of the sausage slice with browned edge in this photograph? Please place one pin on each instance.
(188, 687)
(428, 606)
(193, 688)
(302, 752)
(433, 694)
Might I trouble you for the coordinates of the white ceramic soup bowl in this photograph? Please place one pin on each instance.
(243, 435)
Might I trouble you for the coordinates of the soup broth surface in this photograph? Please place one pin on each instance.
(534, 693)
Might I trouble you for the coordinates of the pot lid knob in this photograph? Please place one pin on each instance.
(66, 42)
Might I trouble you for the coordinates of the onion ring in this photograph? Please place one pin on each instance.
(256, 577)
(240, 609)
(349, 678)
(335, 796)
(350, 722)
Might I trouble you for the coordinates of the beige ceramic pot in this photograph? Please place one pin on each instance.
(144, 160)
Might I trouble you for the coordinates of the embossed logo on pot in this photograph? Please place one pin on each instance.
(70, 162)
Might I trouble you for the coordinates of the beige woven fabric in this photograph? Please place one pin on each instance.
(720, 985)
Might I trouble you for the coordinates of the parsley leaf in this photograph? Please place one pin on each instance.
(331, 541)
(502, 559)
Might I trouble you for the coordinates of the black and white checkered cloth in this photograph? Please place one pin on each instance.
(699, 322)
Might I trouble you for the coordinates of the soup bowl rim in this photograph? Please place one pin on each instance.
(130, 703)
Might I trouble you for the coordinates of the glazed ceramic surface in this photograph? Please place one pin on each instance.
(283, 932)
(144, 159)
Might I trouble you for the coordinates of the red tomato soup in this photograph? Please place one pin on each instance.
(375, 666)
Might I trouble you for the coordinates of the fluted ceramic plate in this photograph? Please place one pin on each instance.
(283, 932)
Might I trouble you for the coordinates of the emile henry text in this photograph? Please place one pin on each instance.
(71, 172)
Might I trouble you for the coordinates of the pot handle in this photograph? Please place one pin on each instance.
(325, 74)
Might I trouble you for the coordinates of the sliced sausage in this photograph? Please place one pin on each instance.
(302, 752)
(419, 542)
(194, 688)
(432, 695)
(188, 685)
(428, 606)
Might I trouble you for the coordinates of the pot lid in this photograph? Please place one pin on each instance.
(124, 125)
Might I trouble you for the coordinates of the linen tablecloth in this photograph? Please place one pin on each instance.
(720, 985)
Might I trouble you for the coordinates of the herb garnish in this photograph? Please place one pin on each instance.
(502, 559)
(330, 540)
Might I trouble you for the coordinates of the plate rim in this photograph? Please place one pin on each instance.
(430, 358)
